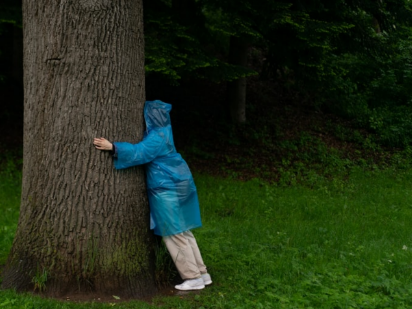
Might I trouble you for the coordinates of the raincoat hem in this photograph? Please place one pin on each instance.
(189, 228)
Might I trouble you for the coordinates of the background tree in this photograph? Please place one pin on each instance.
(83, 226)
(189, 39)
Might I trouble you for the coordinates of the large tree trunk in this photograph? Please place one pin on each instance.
(82, 224)
(236, 90)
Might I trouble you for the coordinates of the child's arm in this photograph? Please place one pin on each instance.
(136, 154)
(127, 155)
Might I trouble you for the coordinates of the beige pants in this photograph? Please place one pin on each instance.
(185, 253)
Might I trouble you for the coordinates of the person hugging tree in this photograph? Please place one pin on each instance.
(174, 205)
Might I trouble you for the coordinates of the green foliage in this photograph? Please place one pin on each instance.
(376, 92)
(170, 50)
(362, 70)
(280, 150)
(10, 13)
(306, 44)
(39, 280)
(308, 160)
(174, 48)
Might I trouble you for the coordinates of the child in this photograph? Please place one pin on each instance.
(174, 206)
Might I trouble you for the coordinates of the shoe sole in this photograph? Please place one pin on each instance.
(208, 282)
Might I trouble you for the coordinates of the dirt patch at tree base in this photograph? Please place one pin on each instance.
(79, 297)
(168, 291)
(94, 297)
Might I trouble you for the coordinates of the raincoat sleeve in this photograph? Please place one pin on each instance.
(136, 154)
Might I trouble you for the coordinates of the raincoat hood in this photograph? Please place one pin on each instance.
(156, 114)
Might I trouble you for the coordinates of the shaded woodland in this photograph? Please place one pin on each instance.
(252, 81)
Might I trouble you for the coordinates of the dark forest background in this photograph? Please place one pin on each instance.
(287, 91)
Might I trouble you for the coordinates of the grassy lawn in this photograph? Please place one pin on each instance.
(340, 244)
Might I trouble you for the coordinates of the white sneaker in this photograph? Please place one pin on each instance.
(207, 280)
(191, 284)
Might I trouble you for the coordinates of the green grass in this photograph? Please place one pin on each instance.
(344, 244)
(10, 181)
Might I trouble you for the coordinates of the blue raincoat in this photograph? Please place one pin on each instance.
(174, 206)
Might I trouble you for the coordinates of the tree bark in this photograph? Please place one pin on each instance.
(236, 90)
(83, 224)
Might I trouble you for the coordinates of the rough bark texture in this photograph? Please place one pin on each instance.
(236, 90)
(81, 222)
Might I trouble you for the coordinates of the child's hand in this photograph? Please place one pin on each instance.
(102, 144)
